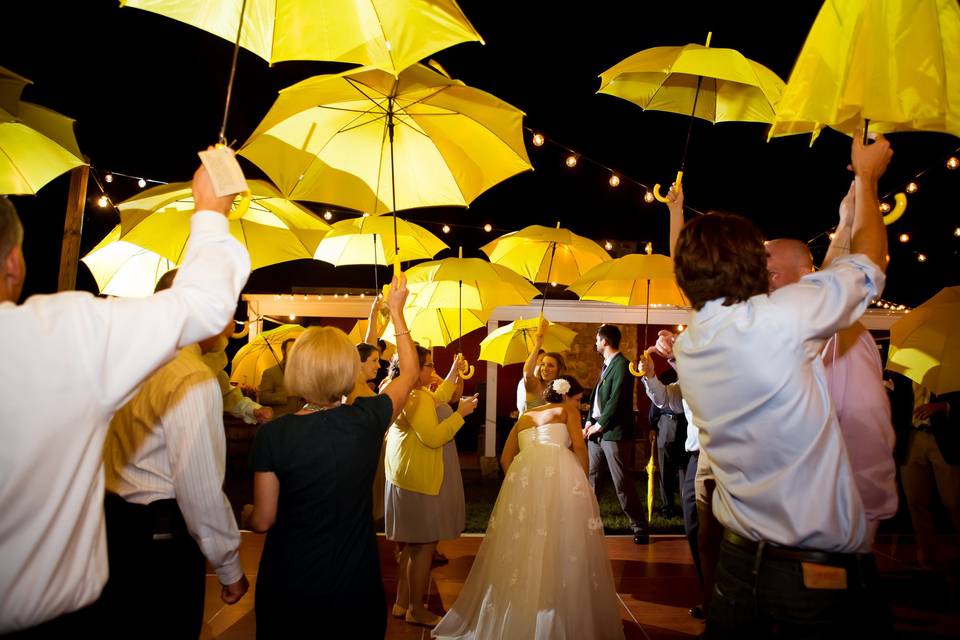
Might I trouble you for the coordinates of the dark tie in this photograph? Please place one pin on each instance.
(602, 369)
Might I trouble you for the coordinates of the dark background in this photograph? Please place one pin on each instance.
(147, 92)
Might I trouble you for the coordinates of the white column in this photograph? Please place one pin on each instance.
(490, 427)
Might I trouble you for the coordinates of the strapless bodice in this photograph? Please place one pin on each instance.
(552, 433)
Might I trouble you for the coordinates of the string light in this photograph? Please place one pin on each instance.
(956, 232)
(108, 177)
(832, 235)
(366, 215)
(912, 187)
(102, 202)
(921, 257)
(293, 317)
(614, 180)
(648, 249)
(904, 237)
(885, 207)
(680, 327)
(488, 227)
(446, 228)
(327, 215)
(648, 197)
(952, 163)
(538, 140)
(141, 183)
(608, 245)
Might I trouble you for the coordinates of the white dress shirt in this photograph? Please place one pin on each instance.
(670, 397)
(597, 410)
(168, 443)
(69, 361)
(753, 376)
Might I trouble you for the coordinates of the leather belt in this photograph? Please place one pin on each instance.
(773, 552)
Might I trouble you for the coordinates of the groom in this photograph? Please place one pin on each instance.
(609, 430)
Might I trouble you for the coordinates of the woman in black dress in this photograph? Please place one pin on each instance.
(319, 573)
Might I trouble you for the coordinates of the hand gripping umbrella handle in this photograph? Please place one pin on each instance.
(898, 208)
(633, 370)
(656, 188)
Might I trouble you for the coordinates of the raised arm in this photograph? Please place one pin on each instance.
(869, 235)
(840, 244)
(398, 390)
(373, 323)
(675, 204)
(529, 379)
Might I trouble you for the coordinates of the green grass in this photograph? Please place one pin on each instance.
(481, 494)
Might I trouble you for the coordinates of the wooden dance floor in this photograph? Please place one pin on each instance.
(656, 584)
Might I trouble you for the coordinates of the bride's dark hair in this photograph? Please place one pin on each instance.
(552, 395)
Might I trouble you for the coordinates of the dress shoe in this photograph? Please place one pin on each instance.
(641, 537)
(696, 612)
(431, 622)
(398, 612)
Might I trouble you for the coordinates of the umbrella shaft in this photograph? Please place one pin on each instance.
(233, 72)
(686, 145)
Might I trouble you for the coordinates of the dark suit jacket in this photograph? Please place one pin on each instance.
(616, 400)
(946, 429)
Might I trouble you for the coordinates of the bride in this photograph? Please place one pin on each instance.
(542, 570)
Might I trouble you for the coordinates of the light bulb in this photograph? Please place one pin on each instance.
(904, 237)
(912, 187)
(108, 177)
(571, 161)
(614, 180)
(488, 227)
(363, 295)
(956, 232)
(141, 183)
(366, 215)
(921, 257)
(327, 215)
(102, 202)
(553, 284)
(305, 296)
(608, 246)
(679, 327)
(446, 228)
(537, 140)
(832, 235)
(648, 197)
(884, 207)
(952, 163)
(649, 248)
(293, 317)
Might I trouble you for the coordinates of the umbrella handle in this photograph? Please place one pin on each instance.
(242, 206)
(898, 209)
(466, 370)
(243, 332)
(656, 188)
(633, 370)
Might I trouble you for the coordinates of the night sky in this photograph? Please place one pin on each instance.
(147, 92)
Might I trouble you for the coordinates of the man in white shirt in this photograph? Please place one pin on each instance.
(795, 554)
(166, 513)
(70, 360)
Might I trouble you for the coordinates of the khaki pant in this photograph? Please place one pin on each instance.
(923, 468)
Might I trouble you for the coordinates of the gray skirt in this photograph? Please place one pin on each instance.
(419, 518)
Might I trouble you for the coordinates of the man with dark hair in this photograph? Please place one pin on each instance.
(796, 545)
(55, 419)
(610, 429)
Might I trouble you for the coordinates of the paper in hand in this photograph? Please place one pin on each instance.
(226, 176)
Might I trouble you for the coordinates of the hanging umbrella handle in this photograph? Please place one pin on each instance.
(466, 370)
(656, 188)
(243, 332)
(633, 370)
(898, 208)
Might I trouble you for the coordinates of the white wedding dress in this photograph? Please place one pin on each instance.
(542, 571)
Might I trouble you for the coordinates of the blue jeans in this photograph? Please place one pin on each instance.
(761, 594)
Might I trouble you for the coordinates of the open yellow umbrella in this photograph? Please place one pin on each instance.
(261, 353)
(925, 344)
(370, 141)
(467, 283)
(439, 327)
(36, 144)
(513, 342)
(123, 269)
(717, 85)
(892, 63)
(273, 229)
(369, 240)
(544, 254)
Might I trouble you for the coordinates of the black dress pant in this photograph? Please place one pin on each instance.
(688, 502)
(157, 573)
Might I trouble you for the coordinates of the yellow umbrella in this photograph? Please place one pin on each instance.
(123, 269)
(370, 141)
(260, 354)
(361, 241)
(513, 342)
(717, 85)
(466, 283)
(36, 144)
(387, 34)
(439, 327)
(273, 229)
(542, 254)
(925, 344)
(892, 63)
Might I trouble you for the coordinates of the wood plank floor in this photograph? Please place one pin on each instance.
(656, 585)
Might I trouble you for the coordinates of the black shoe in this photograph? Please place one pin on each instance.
(697, 613)
(641, 537)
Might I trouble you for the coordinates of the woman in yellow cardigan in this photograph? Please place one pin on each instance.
(417, 493)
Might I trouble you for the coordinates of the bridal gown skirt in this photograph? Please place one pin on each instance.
(542, 571)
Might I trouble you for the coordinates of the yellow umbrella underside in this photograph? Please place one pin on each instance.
(629, 280)
(925, 344)
(513, 342)
(545, 254)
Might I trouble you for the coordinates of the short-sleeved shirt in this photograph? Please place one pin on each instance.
(322, 546)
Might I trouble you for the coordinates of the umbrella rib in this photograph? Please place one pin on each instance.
(15, 168)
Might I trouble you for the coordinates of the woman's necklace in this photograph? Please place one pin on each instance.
(316, 407)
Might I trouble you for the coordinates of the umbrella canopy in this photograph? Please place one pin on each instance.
(123, 269)
(925, 344)
(634, 279)
(717, 85)
(36, 144)
(542, 254)
(369, 240)
(466, 283)
(348, 139)
(894, 63)
(438, 327)
(261, 353)
(386, 34)
(273, 229)
(513, 342)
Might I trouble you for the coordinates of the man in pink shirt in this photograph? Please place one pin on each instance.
(854, 375)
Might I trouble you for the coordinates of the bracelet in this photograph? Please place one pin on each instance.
(401, 333)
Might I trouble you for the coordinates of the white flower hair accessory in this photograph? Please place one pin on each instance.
(561, 386)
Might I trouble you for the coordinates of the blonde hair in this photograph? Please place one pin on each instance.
(322, 366)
